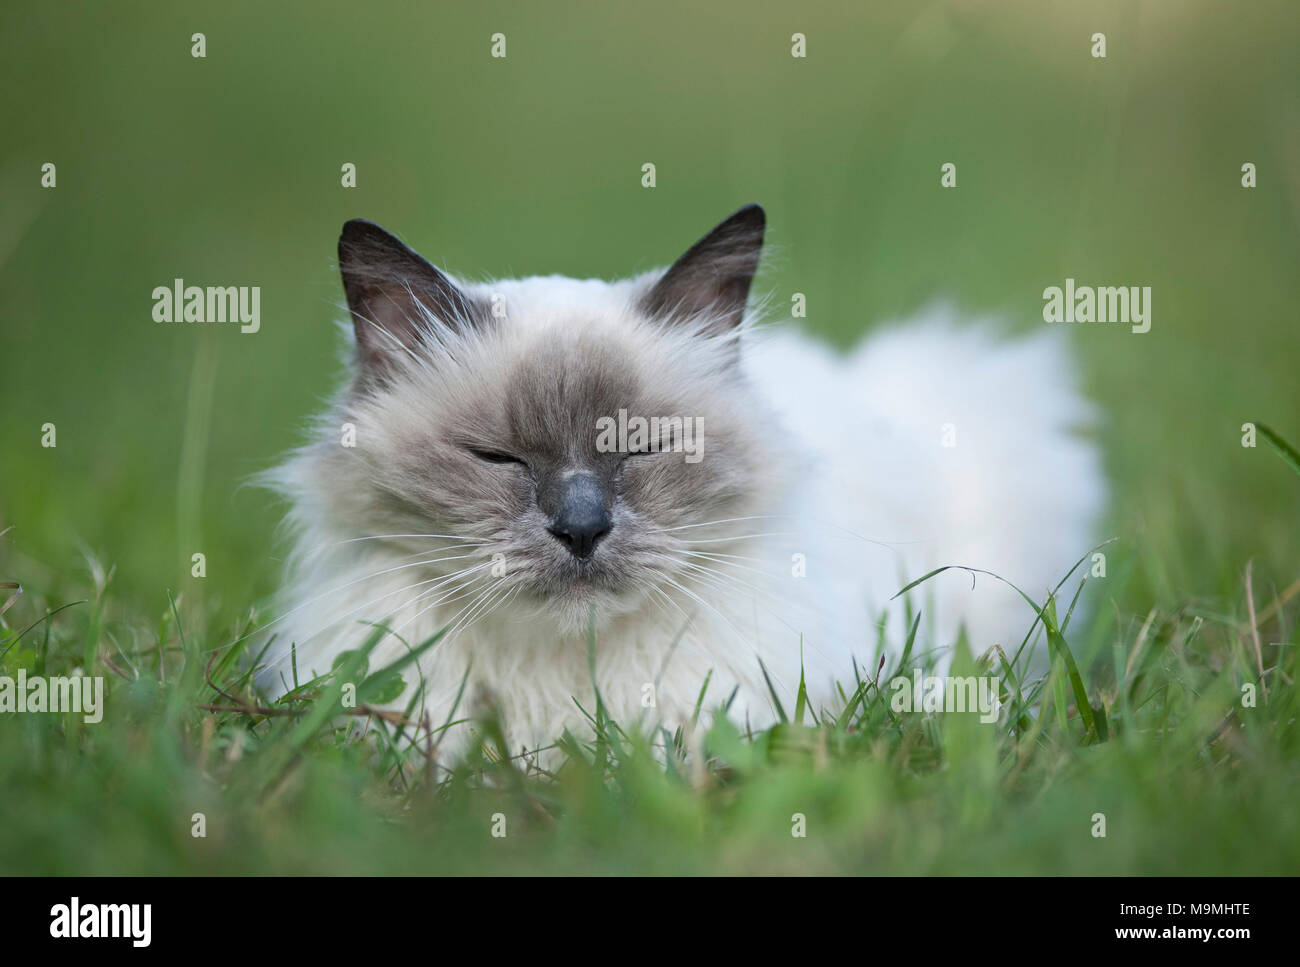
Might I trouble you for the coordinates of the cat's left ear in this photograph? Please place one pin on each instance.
(713, 278)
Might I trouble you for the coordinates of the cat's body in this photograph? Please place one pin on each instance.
(822, 485)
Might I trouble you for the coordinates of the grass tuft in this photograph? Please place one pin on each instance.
(1155, 712)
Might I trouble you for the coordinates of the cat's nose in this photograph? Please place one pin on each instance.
(580, 519)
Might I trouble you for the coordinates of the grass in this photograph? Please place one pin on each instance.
(1147, 727)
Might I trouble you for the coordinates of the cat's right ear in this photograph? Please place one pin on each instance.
(394, 294)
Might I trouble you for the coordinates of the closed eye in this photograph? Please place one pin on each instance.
(650, 449)
(493, 456)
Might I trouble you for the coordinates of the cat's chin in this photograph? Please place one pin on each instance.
(582, 604)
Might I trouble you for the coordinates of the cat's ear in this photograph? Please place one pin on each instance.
(387, 285)
(713, 278)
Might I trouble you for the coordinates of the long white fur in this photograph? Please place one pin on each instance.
(875, 500)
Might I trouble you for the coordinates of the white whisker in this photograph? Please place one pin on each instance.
(440, 580)
(364, 577)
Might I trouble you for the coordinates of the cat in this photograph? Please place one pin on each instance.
(467, 478)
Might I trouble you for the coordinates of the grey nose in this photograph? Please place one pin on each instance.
(580, 519)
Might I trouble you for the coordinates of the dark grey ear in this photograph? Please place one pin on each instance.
(384, 280)
(715, 275)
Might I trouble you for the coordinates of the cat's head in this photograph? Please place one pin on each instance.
(575, 441)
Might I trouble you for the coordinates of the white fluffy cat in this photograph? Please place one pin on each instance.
(479, 497)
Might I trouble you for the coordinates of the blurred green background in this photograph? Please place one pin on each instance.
(226, 171)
